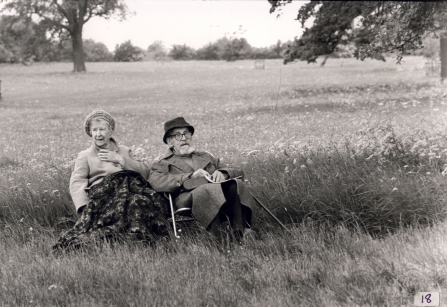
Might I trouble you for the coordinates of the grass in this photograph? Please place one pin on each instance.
(349, 156)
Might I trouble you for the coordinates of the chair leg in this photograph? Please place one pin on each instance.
(173, 217)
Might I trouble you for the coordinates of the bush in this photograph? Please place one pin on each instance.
(96, 52)
(156, 51)
(6, 56)
(236, 49)
(182, 52)
(209, 52)
(126, 52)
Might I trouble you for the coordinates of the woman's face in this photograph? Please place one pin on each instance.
(101, 132)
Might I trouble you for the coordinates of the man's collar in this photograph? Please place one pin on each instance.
(170, 153)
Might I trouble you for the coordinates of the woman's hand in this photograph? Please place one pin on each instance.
(110, 156)
(218, 176)
(200, 173)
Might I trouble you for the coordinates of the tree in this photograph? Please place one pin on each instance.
(375, 27)
(126, 52)
(96, 52)
(236, 49)
(262, 53)
(14, 36)
(157, 51)
(278, 48)
(182, 52)
(5, 55)
(209, 52)
(69, 16)
(22, 40)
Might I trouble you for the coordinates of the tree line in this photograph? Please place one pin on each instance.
(23, 41)
(44, 30)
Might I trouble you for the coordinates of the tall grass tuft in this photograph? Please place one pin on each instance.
(332, 186)
(36, 201)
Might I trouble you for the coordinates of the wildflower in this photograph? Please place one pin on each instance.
(303, 166)
(369, 157)
(395, 189)
(294, 161)
(286, 170)
(21, 220)
(55, 191)
(428, 173)
(393, 179)
(31, 229)
(444, 172)
(52, 287)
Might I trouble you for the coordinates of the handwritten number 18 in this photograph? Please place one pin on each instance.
(427, 298)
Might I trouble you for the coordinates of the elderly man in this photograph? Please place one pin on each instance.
(196, 180)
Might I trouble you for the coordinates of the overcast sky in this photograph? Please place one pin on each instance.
(196, 23)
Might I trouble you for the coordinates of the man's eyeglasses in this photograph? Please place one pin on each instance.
(179, 136)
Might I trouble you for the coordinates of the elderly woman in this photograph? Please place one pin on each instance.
(109, 189)
(197, 180)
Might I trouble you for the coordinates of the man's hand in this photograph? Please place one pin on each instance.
(110, 156)
(200, 173)
(218, 176)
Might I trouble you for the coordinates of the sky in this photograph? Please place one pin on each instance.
(196, 23)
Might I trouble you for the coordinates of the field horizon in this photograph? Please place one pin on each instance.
(350, 156)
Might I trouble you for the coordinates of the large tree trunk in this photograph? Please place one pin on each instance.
(78, 51)
(443, 57)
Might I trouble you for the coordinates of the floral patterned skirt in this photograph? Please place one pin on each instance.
(122, 206)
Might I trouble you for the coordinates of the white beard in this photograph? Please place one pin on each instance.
(186, 150)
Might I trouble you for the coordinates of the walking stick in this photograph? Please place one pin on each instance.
(271, 214)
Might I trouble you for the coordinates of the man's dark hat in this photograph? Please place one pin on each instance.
(178, 122)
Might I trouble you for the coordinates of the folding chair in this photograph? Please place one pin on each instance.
(178, 216)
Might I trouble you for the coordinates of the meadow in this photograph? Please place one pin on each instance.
(350, 156)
